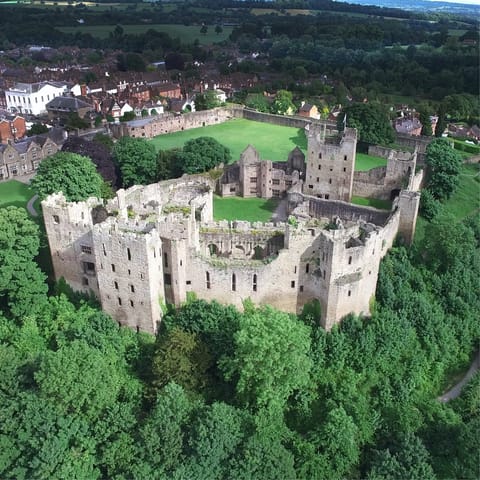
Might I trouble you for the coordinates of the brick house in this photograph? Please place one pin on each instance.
(12, 127)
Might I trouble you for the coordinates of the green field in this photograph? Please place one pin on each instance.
(14, 193)
(372, 202)
(249, 209)
(186, 33)
(273, 142)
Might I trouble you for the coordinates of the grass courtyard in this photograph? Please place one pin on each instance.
(14, 193)
(273, 142)
(249, 209)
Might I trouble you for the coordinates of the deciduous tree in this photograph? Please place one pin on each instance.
(72, 174)
(202, 154)
(371, 120)
(137, 161)
(444, 164)
(271, 358)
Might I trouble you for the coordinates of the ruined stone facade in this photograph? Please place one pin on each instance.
(153, 244)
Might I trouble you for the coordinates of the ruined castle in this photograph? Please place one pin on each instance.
(153, 244)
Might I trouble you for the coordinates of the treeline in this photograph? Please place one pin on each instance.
(261, 394)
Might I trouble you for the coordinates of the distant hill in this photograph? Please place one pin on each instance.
(422, 5)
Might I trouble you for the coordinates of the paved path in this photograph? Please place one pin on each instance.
(280, 213)
(457, 389)
(30, 208)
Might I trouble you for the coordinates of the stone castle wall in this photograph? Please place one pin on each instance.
(154, 244)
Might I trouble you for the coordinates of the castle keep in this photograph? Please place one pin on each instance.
(153, 244)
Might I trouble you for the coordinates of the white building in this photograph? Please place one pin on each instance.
(32, 97)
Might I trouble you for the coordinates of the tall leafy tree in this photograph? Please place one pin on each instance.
(182, 358)
(74, 175)
(202, 154)
(206, 100)
(371, 120)
(271, 358)
(283, 103)
(22, 283)
(444, 164)
(137, 161)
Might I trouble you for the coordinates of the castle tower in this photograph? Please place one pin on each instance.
(69, 231)
(130, 275)
(330, 163)
(408, 204)
(249, 172)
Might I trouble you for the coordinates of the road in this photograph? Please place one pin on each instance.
(457, 389)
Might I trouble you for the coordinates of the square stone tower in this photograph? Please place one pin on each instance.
(330, 162)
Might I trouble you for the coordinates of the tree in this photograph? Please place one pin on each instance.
(22, 283)
(407, 458)
(162, 436)
(258, 101)
(337, 440)
(168, 164)
(218, 29)
(98, 152)
(182, 358)
(72, 174)
(283, 104)
(460, 106)
(425, 112)
(74, 122)
(207, 100)
(204, 29)
(137, 161)
(271, 358)
(371, 120)
(429, 205)
(78, 378)
(37, 129)
(202, 154)
(444, 165)
(216, 435)
(127, 116)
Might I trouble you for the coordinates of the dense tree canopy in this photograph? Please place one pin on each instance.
(295, 401)
(206, 100)
(137, 161)
(202, 154)
(70, 173)
(371, 120)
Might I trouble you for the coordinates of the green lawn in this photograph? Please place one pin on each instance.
(186, 33)
(250, 209)
(273, 142)
(373, 202)
(14, 193)
(464, 202)
(365, 162)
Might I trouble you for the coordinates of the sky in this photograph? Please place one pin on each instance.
(468, 2)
